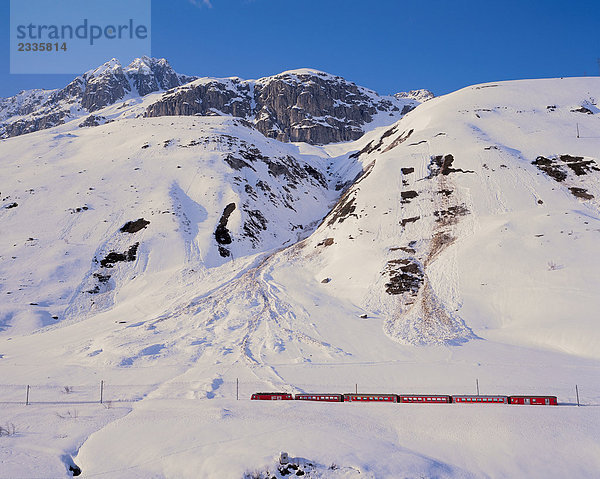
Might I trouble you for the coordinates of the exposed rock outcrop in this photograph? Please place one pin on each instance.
(299, 105)
(35, 110)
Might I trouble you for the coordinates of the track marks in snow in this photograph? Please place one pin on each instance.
(189, 215)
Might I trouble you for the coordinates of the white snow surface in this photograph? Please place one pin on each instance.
(508, 293)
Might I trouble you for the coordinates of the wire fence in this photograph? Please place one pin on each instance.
(104, 392)
(71, 394)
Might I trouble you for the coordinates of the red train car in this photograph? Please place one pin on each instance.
(424, 398)
(325, 397)
(534, 400)
(371, 397)
(272, 396)
(480, 399)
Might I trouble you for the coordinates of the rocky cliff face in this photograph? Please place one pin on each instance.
(148, 75)
(205, 97)
(35, 110)
(315, 107)
(299, 105)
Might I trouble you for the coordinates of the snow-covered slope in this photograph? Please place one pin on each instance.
(211, 195)
(458, 244)
(473, 213)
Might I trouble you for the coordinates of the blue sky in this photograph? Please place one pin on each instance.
(385, 45)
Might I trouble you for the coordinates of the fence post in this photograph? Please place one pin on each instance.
(577, 393)
(477, 382)
(101, 391)
(237, 389)
(27, 398)
(356, 388)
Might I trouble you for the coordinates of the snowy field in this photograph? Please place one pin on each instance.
(500, 286)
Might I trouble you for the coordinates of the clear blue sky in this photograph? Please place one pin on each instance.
(386, 45)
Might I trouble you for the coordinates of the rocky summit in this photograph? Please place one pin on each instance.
(299, 105)
(35, 110)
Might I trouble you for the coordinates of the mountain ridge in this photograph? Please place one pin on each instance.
(328, 118)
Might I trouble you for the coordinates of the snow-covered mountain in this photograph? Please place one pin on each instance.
(35, 110)
(419, 95)
(173, 248)
(299, 105)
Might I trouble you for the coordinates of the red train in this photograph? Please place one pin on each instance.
(371, 397)
(534, 400)
(272, 396)
(409, 398)
(424, 398)
(481, 399)
(320, 397)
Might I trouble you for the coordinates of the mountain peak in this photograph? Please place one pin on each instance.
(97, 88)
(146, 64)
(421, 95)
(303, 104)
(306, 71)
(111, 66)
